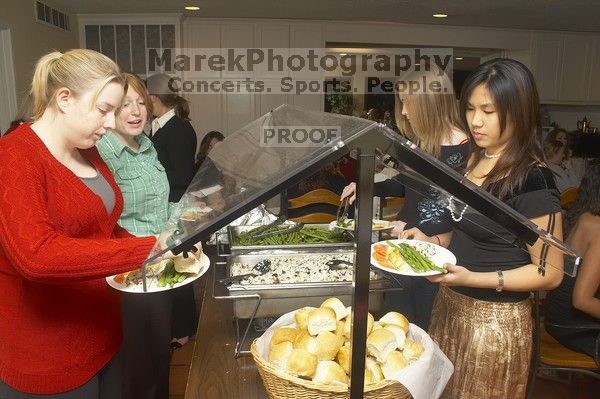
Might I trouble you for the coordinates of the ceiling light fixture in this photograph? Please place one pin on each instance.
(440, 15)
(192, 8)
(458, 58)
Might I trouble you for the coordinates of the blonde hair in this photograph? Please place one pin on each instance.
(79, 70)
(432, 116)
(134, 82)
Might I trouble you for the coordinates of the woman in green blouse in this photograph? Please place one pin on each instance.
(134, 163)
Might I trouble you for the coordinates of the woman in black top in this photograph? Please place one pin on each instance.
(172, 134)
(432, 121)
(577, 300)
(482, 316)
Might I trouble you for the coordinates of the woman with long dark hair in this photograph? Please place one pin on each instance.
(577, 301)
(208, 142)
(482, 314)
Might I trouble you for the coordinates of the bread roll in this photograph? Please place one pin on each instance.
(343, 358)
(321, 319)
(412, 349)
(327, 345)
(348, 325)
(399, 333)
(280, 354)
(301, 317)
(380, 343)
(306, 341)
(331, 373)
(283, 334)
(338, 307)
(395, 318)
(187, 265)
(394, 363)
(302, 363)
(375, 369)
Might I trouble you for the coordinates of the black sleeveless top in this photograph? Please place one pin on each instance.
(481, 245)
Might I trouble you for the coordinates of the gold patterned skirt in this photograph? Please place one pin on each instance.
(489, 344)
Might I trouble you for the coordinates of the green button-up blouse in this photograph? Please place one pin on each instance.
(143, 182)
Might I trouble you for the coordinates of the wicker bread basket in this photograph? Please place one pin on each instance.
(280, 385)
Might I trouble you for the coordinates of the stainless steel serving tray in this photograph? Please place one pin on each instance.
(234, 231)
(277, 299)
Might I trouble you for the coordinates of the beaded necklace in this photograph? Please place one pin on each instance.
(491, 156)
(450, 206)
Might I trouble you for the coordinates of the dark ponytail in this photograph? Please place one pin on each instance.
(178, 103)
(182, 108)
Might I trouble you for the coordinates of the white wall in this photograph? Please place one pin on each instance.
(567, 116)
(31, 40)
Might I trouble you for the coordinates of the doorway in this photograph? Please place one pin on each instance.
(8, 104)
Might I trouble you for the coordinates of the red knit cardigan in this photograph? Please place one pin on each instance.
(60, 323)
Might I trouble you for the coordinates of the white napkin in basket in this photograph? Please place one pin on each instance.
(425, 378)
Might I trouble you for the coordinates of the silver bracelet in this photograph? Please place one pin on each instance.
(500, 286)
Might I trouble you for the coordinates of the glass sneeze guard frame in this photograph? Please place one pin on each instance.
(366, 138)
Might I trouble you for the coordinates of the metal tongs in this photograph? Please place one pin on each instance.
(292, 228)
(257, 231)
(342, 213)
(259, 269)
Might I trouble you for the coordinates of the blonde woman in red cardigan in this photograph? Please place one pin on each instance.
(60, 324)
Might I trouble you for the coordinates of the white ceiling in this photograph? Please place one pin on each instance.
(566, 15)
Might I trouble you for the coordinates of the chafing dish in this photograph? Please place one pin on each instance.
(279, 298)
(234, 231)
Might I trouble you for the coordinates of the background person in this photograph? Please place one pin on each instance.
(208, 142)
(568, 171)
(577, 300)
(175, 141)
(482, 314)
(60, 325)
(132, 159)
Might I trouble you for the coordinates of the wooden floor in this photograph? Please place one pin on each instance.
(180, 367)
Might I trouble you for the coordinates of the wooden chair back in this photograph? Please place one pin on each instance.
(316, 196)
(567, 197)
(549, 354)
(390, 206)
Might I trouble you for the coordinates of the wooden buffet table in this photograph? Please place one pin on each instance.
(214, 372)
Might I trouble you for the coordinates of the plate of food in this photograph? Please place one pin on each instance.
(348, 224)
(410, 257)
(163, 275)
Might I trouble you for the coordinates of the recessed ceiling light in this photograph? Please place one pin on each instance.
(192, 8)
(342, 54)
(458, 58)
(440, 15)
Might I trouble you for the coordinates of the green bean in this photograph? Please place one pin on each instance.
(306, 235)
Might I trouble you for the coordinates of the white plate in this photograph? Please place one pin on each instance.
(388, 225)
(437, 254)
(152, 283)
